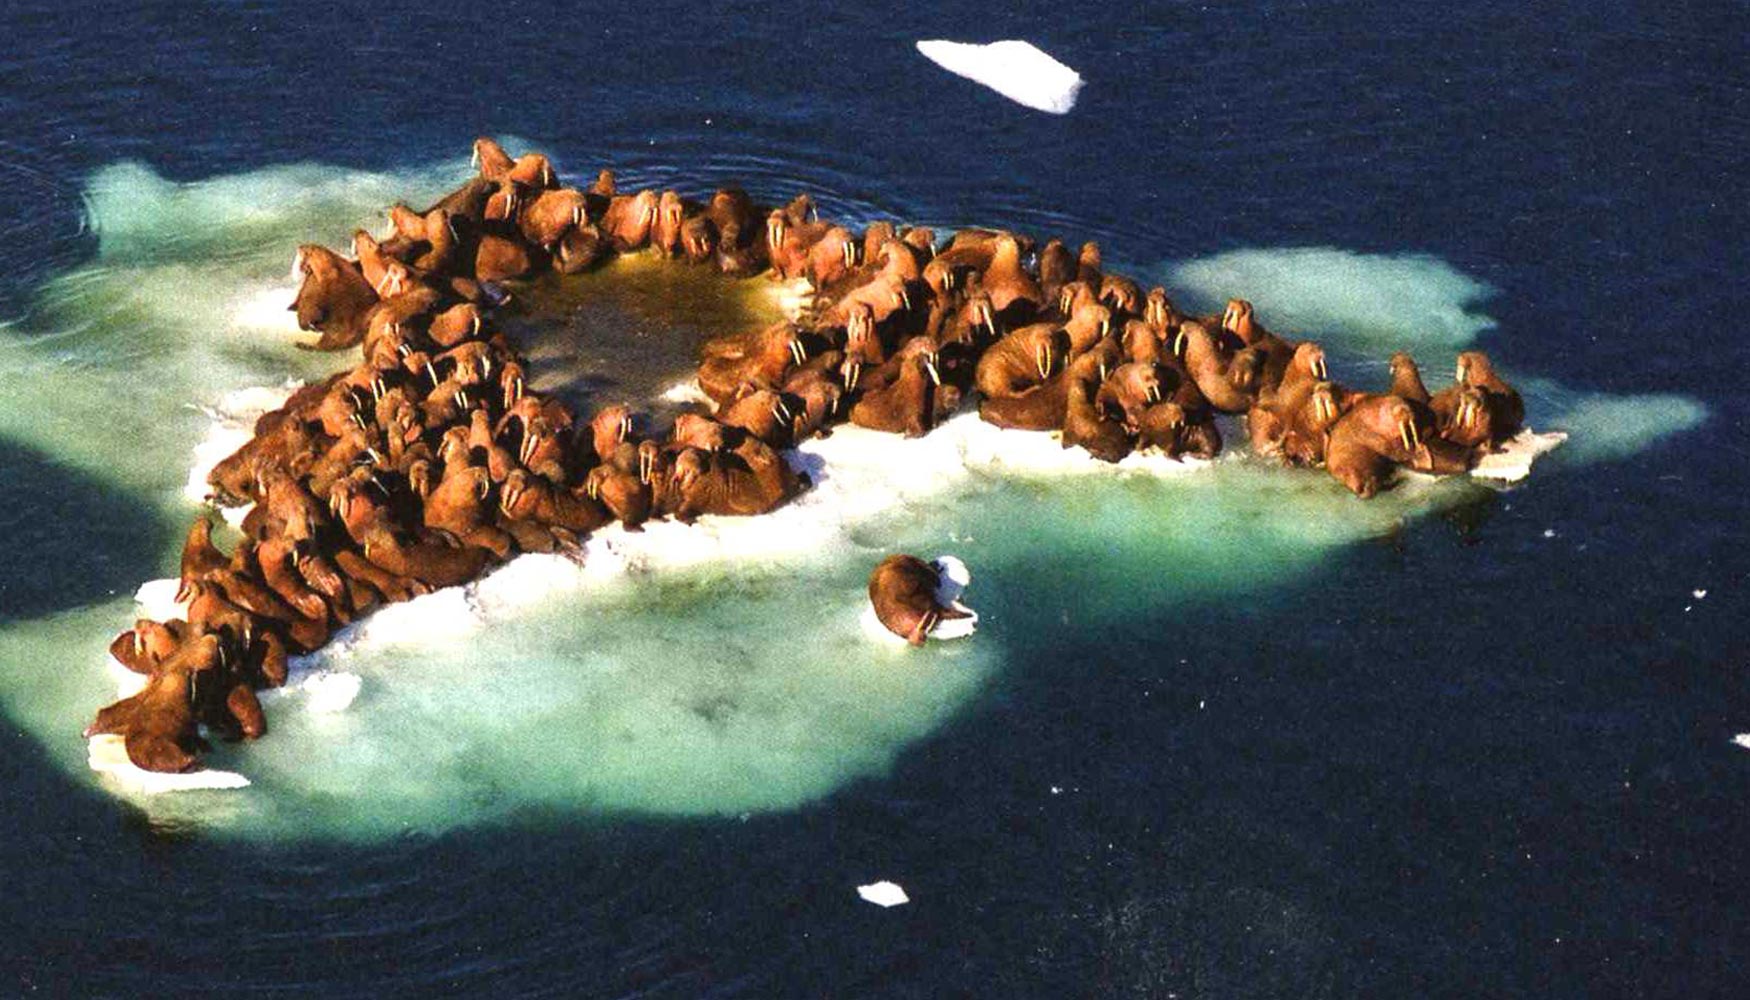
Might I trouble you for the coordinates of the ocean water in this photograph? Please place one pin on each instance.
(1222, 731)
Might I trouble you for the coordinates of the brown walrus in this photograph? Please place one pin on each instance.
(902, 590)
(1379, 433)
(1506, 409)
(333, 298)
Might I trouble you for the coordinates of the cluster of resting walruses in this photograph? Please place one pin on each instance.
(432, 459)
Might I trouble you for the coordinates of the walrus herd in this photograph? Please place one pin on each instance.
(432, 460)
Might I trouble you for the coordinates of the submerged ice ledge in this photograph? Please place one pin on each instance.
(859, 475)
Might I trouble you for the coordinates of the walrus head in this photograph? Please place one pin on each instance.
(536, 432)
(698, 239)
(330, 287)
(1474, 369)
(491, 159)
(1073, 295)
(1158, 311)
(506, 202)
(689, 465)
(1403, 420)
(517, 497)
(1139, 381)
(666, 233)
(1310, 358)
(698, 432)
(1237, 320)
(609, 428)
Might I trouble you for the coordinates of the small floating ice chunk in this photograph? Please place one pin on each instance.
(883, 894)
(1512, 461)
(107, 754)
(1015, 69)
(1743, 740)
(954, 577)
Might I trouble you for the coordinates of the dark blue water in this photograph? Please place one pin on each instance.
(1461, 760)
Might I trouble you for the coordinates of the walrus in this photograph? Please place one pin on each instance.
(1021, 360)
(1406, 380)
(1131, 389)
(1087, 426)
(1472, 422)
(1213, 374)
(630, 219)
(1121, 294)
(1169, 427)
(546, 219)
(626, 495)
(902, 590)
(778, 347)
(1043, 407)
(1379, 433)
(728, 483)
(1158, 312)
(1013, 292)
(764, 413)
(1307, 429)
(144, 646)
(1089, 265)
(1057, 267)
(1268, 419)
(1087, 326)
(333, 298)
(460, 506)
(1506, 408)
(832, 258)
(906, 405)
(157, 725)
(1238, 320)
(532, 170)
(527, 497)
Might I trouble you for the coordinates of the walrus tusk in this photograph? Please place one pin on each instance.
(1179, 343)
(1319, 370)
(935, 376)
(797, 351)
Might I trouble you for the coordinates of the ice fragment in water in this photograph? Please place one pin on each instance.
(1015, 69)
(883, 894)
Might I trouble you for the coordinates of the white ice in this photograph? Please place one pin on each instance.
(883, 894)
(1015, 69)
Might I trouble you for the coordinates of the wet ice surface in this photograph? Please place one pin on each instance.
(717, 669)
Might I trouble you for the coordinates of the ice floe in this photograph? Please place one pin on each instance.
(1015, 69)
